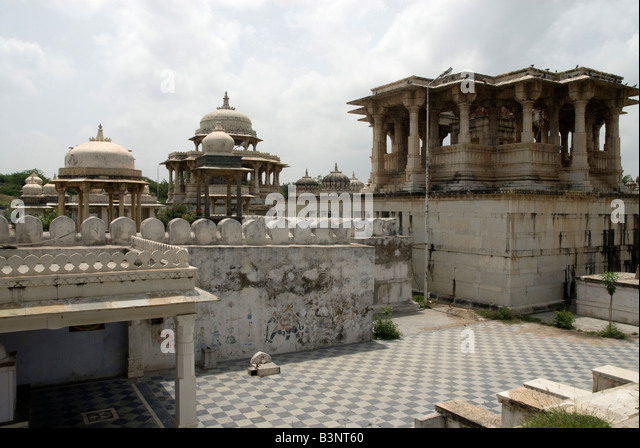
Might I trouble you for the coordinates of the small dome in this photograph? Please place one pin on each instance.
(356, 184)
(49, 189)
(99, 153)
(231, 121)
(32, 186)
(218, 142)
(336, 180)
(306, 182)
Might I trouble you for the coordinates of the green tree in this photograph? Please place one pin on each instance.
(610, 279)
(177, 211)
(11, 184)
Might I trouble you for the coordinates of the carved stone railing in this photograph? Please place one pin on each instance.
(92, 262)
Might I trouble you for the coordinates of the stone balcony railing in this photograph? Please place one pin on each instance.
(471, 166)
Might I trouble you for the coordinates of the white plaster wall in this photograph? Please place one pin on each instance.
(593, 301)
(276, 299)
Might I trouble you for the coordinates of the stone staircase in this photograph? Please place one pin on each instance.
(614, 398)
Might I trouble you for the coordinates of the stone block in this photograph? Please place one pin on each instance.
(28, 230)
(230, 231)
(204, 231)
(254, 231)
(608, 377)
(278, 232)
(121, 230)
(93, 231)
(461, 414)
(433, 420)
(152, 229)
(179, 231)
(62, 231)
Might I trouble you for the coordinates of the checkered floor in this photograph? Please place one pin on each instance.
(374, 384)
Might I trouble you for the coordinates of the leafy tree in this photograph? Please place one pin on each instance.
(609, 279)
(177, 211)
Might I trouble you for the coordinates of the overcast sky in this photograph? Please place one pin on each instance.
(291, 66)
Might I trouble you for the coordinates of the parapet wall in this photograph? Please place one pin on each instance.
(253, 231)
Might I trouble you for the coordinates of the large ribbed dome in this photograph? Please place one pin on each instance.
(99, 156)
(233, 122)
(336, 180)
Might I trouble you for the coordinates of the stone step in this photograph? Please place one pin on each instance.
(461, 414)
(607, 377)
(558, 390)
(521, 403)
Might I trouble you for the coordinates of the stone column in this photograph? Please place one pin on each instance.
(255, 180)
(465, 136)
(185, 383)
(379, 146)
(171, 185)
(135, 368)
(554, 122)
(110, 192)
(207, 209)
(494, 138)
(139, 207)
(198, 179)
(527, 121)
(413, 158)
(612, 144)
(61, 189)
(121, 189)
(84, 196)
(239, 195)
(229, 180)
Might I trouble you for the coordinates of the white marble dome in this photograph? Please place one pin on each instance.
(32, 186)
(232, 122)
(218, 142)
(100, 153)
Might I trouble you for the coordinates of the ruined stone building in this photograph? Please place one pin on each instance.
(524, 175)
(262, 169)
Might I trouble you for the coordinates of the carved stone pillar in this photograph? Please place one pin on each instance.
(185, 382)
(413, 156)
(612, 144)
(379, 146)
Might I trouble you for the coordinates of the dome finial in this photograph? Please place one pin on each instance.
(99, 136)
(225, 102)
(336, 167)
(306, 172)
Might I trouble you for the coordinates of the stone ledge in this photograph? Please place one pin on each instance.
(467, 415)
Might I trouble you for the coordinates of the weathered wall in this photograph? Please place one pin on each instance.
(592, 298)
(518, 249)
(278, 299)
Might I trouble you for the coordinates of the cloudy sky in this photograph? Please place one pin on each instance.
(290, 65)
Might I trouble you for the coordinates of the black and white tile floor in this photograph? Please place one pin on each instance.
(374, 384)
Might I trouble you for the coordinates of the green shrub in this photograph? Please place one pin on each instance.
(419, 300)
(561, 418)
(384, 328)
(504, 313)
(611, 331)
(564, 319)
(177, 211)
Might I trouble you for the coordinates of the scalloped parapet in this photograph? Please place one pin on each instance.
(253, 231)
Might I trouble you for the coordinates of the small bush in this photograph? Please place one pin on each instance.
(177, 211)
(561, 418)
(504, 313)
(419, 300)
(384, 328)
(611, 331)
(564, 319)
